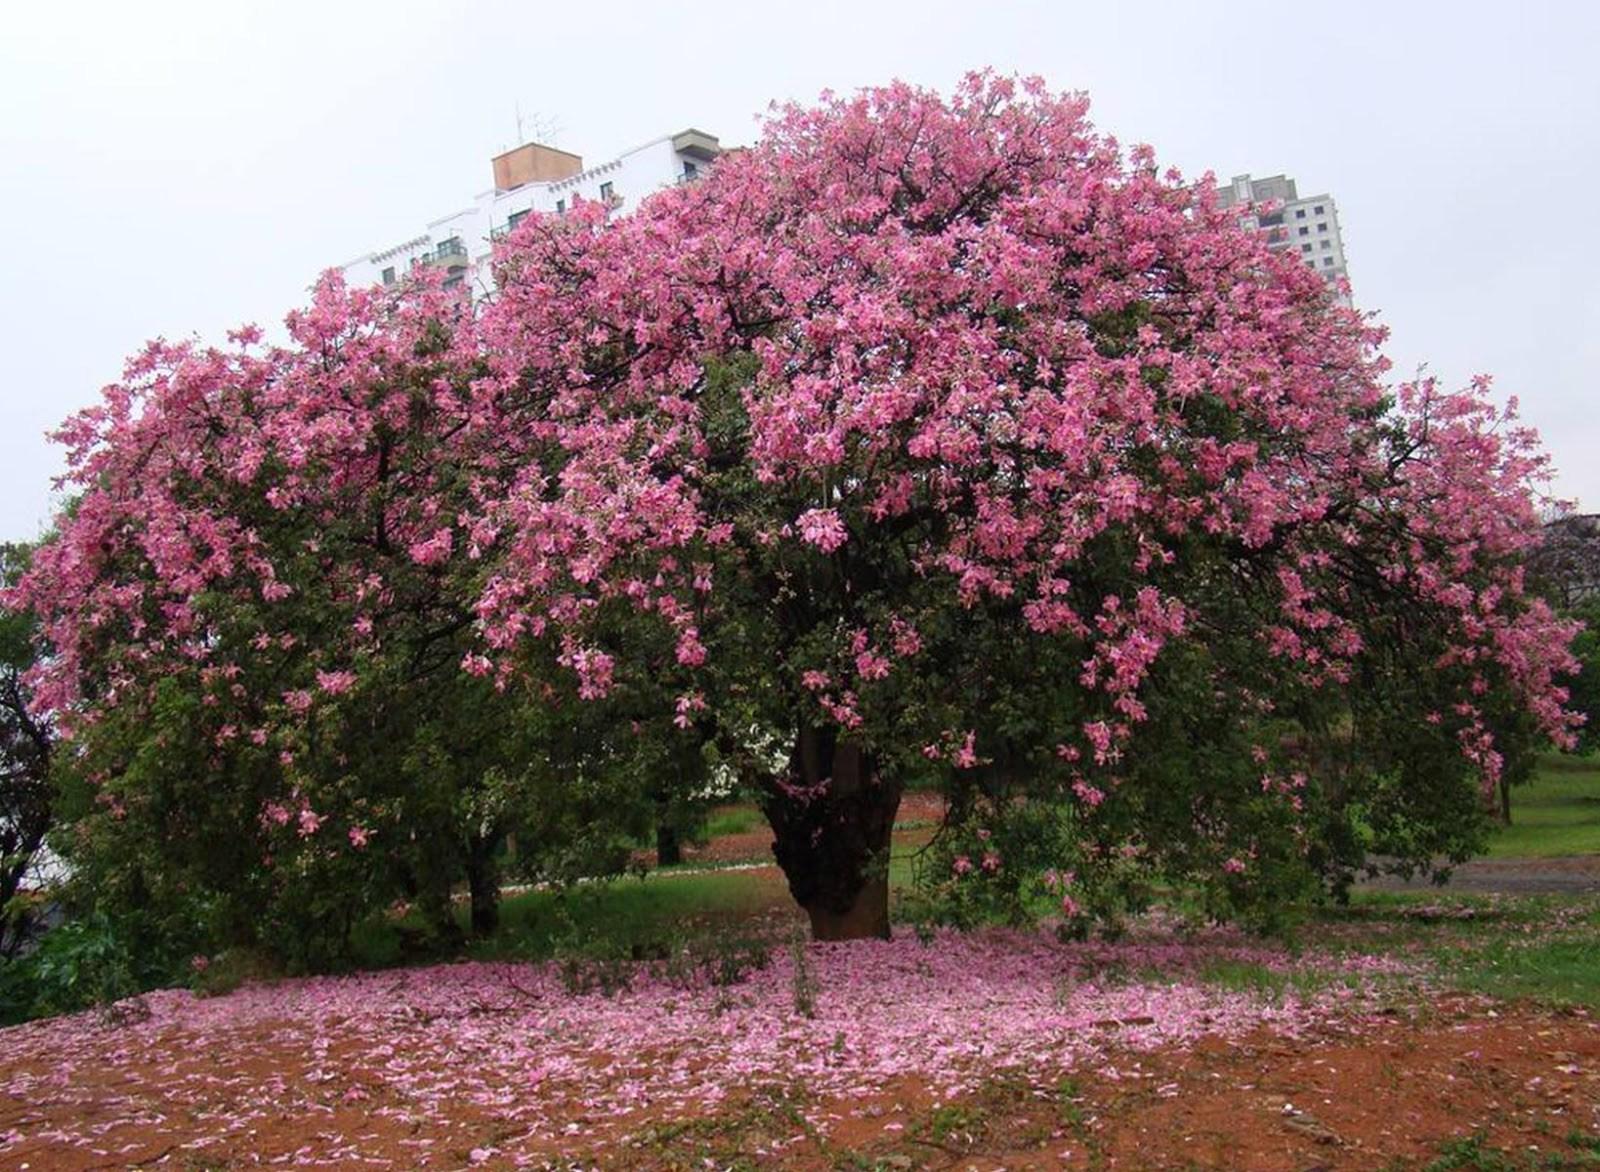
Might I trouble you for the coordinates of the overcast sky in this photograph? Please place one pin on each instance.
(180, 168)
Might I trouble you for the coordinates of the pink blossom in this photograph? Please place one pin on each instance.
(871, 666)
(823, 529)
(691, 652)
(1090, 795)
(336, 683)
(433, 549)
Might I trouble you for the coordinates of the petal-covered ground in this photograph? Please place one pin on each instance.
(504, 1065)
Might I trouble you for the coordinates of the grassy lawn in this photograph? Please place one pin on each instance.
(739, 819)
(1544, 949)
(1557, 813)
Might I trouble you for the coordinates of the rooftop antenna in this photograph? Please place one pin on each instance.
(544, 130)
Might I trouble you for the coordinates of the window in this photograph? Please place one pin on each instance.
(1327, 262)
(605, 193)
(689, 169)
(1305, 231)
(1317, 209)
(1322, 227)
(1299, 213)
(1305, 248)
(516, 218)
(561, 207)
(1326, 244)
(388, 275)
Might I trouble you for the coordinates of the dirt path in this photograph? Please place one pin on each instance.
(1559, 875)
(921, 813)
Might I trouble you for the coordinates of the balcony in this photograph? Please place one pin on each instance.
(501, 231)
(447, 255)
(697, 144)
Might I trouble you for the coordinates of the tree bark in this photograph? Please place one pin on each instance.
(673, 793)
(483, 882)
(669, 850)
(832, 820)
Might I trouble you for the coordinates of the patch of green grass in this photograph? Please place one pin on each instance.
(637, 914)
(1538, 948)
(1460, 1155)
(1474, 1154)
(1271, 984)
(1561, 970)
(725, 820)
(1557, 813)
(948, 1121)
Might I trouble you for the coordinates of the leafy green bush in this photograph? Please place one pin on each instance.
(77, 965)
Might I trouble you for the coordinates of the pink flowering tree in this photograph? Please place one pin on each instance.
(942, 435)
(926, 438)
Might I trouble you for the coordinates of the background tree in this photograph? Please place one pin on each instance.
(27, 744)
(1566, 570)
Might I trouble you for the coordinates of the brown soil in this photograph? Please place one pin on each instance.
(1390, 1095)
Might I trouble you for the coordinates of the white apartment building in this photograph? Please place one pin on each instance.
(533, 178)
(1307, 227)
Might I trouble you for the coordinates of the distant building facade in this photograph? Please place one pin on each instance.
(1306, 227)
(533, 178)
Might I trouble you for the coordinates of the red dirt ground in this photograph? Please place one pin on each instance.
(1385, 1095)
(1389, 1096)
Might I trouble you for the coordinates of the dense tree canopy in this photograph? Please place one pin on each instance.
(926, 438)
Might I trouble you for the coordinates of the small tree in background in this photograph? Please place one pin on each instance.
(1566, 570)
(27, 744)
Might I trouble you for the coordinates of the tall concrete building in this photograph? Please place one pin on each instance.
(533, 178)
(1307, 227)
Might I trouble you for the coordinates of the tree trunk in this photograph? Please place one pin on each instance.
(440, 917)
(673, 795)
(1505, 799)
(832, 819)
(669, 850)
(483, 881)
